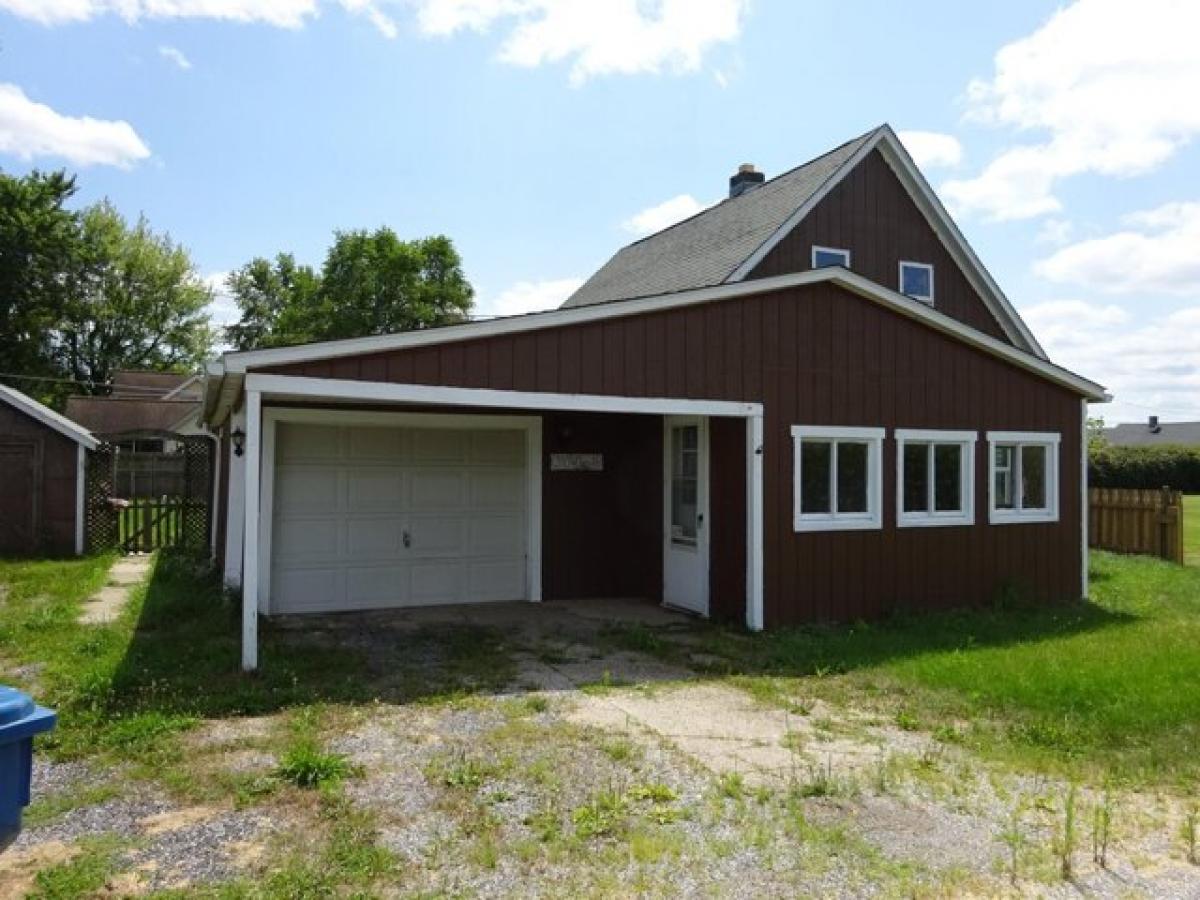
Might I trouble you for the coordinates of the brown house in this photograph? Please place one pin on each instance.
(43, 457)
(808, 402)
(142, 402)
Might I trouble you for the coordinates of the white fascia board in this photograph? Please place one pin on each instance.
(237, 363)
(297, 387)
(48, 417)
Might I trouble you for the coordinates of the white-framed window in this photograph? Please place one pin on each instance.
(1023, 476)
(829, 256)
(836, 478)
(916, 281)
(935, 478)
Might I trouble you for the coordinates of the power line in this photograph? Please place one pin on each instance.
(152, 392)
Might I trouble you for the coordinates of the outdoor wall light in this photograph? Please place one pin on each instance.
(239, 441)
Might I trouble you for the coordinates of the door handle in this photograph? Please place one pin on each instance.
(700, 520)
(407, 538)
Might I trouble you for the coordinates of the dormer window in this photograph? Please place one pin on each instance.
(830, 256)
(916, 281)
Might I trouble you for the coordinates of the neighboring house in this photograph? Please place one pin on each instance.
(43, 457)
(808, 402)
(1153, 433)
(143, 402)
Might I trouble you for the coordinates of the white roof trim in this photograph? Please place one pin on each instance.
(222, 394)
(939, 219)
(48, 417)
(174, 391)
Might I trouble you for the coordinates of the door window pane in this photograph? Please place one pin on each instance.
(916, 477)
(947, 477)
(684, 483)
(851, 477)
(1003, 488)
(1033, 477)
(815, 461)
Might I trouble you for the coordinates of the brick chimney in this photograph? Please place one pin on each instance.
(747, 178)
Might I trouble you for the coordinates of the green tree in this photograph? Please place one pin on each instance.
(38, 239)
(371, 283)
(279, 303)
(135, 300)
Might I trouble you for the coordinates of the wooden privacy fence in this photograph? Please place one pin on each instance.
(1134, 521)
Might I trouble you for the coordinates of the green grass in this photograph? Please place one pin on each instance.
(1191, 529)
(1109, 684)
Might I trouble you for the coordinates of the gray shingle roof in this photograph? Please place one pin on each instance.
(705, 249)
(1138, 434)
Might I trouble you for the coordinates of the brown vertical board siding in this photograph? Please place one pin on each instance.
(870, 214)
(53, 460)
(814, 355)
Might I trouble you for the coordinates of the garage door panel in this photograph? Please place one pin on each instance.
(437, 489)
(497, 489)
(374, 488)
(438, 445)
(306, 489)
(345, 497)
(307, 443)
(371, 538)
(496, 535)
(306, 540)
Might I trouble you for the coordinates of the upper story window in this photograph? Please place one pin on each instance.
(1023, 476)
(829, 256)
(836, 478)
(916, 281)
(935, 476)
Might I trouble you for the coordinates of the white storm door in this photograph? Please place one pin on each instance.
(685, 507)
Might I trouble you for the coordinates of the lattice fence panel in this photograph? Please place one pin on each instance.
(101, 518)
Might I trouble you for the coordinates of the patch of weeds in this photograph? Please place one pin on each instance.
(639, 638)
(83, 876)
(651, 846)
(536, 703)
(546, 823)
(1190, 831)
(619, 749)
(606, 684)
(45, 810)
(307, 766)
(794, 741)
(653, 792)
(600, 816)
(731, 785)
(948, 734)
(461, 771)
(1102, 819)
(1066, 839)
(1013, 838)
(821, 783)
(484, 852)
(906, 720)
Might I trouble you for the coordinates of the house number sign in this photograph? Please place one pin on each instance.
(576, 462)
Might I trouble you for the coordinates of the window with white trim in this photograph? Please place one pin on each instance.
(1023, 476)
(830, 256)
(935, 478)
(916, 281)
(836, 478)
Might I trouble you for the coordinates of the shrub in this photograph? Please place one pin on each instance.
(307, 766)
(1145, 468)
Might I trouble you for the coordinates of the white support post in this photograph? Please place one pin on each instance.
(80, 496)
(754, 522)
(250, 529)
(235, 505)
(533, 552)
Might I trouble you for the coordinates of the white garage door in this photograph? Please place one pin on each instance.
(367, 517)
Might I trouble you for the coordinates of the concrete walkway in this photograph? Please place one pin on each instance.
(107, 603)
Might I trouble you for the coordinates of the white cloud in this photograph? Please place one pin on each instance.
(529, 296)
(1055, 231)
(175, 55)
(223, 310)
(1153, 366)
(1109, 90)
(656, 218)
(932, 149)
(29, 129)
(599, 37)
(1159, 252)
(280, 13)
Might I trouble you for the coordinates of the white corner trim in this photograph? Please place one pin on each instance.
(250, 550)
(171, 394)
(235, 499)
(80, 496)
(389, 392)
(932, 518)
(816, 248)
(1084, 523)
(912, 264)
(48, 417)
(1051, 441)
(872, 519)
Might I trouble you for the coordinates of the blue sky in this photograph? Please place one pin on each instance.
(543, 134)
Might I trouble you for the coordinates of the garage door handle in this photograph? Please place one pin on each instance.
(407, 538)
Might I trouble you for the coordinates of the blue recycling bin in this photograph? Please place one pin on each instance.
(20, 720)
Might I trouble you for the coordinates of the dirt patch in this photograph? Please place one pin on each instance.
(19, 868)
(175, 819)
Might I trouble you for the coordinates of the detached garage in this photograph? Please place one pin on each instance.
(42, 462)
